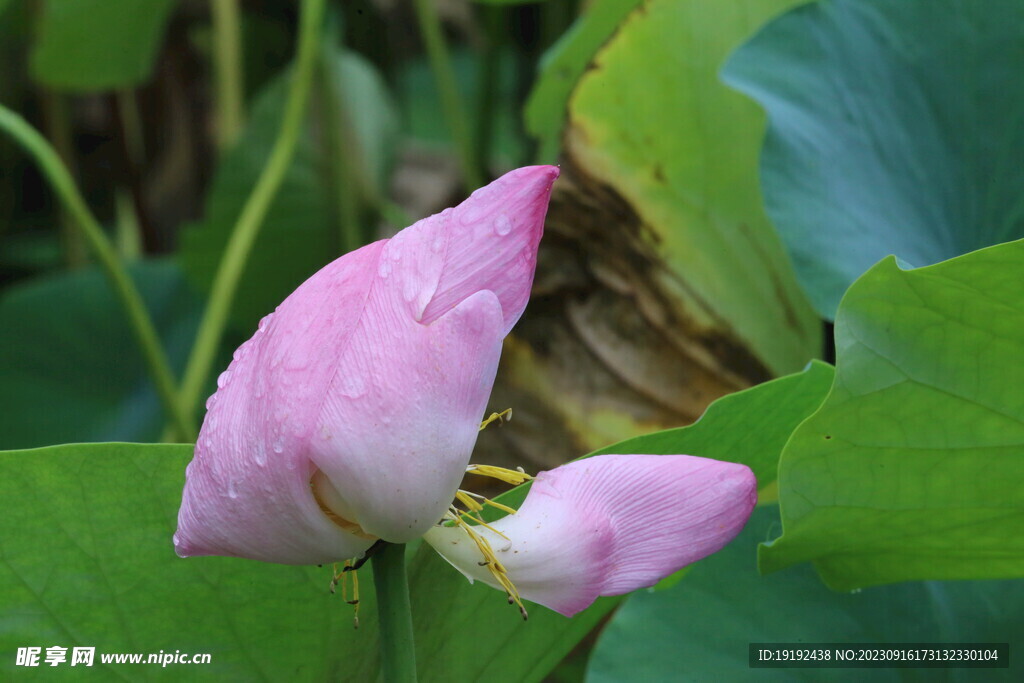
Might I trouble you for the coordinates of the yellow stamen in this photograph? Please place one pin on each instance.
(501, 418)
(462, 516)
(342, 577)
(515, 477)
(491, 561)
(500, 506)
(335, 577)
(465, 497)
(475, 506)
(355, 595)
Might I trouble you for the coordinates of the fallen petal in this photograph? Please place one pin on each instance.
(609, 525)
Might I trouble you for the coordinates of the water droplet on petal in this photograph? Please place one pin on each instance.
(502, 225)
(232, 492)
(222, 380)
(410, 290)
(353, 386)
(437, 244)
(526, 259)
(384, 267)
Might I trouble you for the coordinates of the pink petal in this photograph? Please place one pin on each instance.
(491, 242)
(609, 525)
(374, 372)
(396, 448)
(247, 489)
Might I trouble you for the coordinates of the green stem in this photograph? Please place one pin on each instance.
(232, 265)
(230, 81)
(106, 254)
(487, 78)
(444, 77)
(130, 214)
(131, 124)
(333, 123)
(356, 188)
(397, 650)
(127, 235)
(58, 127)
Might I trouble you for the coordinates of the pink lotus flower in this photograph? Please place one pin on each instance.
(350, 417)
